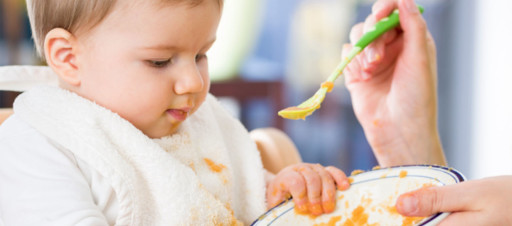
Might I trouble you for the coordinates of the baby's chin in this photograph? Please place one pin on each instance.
(157, 133)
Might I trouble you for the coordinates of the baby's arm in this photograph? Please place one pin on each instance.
(312, 187)
(276, 149)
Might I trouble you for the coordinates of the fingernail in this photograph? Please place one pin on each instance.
(365, 76)
(302, 208)
(410, 6)
(329, 206)
(378, 8)
(370, 55)
(364, 63)
(344, 185)
(409, 204)
(316, 209)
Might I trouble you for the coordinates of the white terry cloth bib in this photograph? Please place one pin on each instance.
(209, 173)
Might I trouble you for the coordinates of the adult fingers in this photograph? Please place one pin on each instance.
(383, 8)
(431, 200)
(462, 219)
(355, 33)
(368, 23)
(376, 52)
(349, 76)
(353, 71)
(413, 25)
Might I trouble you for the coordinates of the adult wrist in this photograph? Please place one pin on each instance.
(409, 148)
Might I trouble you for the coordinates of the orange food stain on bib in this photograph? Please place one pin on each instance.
(213, 166)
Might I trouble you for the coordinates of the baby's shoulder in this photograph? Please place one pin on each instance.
(21, 142)
(17, 133)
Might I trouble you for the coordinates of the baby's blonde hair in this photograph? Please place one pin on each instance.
(72, 15)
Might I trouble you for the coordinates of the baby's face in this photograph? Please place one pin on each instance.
(147, 62)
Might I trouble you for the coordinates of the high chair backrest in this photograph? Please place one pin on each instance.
(4, 114)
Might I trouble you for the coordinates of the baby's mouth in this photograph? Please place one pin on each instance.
(178, 114)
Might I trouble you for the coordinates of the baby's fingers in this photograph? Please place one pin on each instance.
(328, 189)
(339, 177)
(314, 189)
(292, 183)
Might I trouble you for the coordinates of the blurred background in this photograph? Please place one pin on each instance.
(274, 54)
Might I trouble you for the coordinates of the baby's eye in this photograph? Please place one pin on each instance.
(158, 63)
(200, 57)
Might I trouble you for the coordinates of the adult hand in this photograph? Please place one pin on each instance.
(477, 202)
(393, 88)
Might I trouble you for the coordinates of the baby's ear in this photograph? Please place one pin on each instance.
(59, 49)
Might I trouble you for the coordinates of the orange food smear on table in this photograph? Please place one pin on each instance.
(332, 221)
(213, 166)
(328, 85)
(403, 174)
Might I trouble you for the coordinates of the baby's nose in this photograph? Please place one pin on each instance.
(189, 80)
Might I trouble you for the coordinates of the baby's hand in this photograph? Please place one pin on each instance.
(312, 187)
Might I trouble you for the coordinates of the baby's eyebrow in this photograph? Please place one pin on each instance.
(160, 47)
(172, 47)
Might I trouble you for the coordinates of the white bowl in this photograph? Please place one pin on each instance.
(371, 198)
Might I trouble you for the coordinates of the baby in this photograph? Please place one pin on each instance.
(131, 135)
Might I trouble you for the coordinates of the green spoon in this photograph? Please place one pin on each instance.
(310, 105)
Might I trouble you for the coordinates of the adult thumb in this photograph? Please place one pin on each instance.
(413, 25)
(427, 201)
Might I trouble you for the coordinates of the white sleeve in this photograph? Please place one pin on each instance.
(40, 184)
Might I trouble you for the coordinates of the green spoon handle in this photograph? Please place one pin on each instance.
(385, 24)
